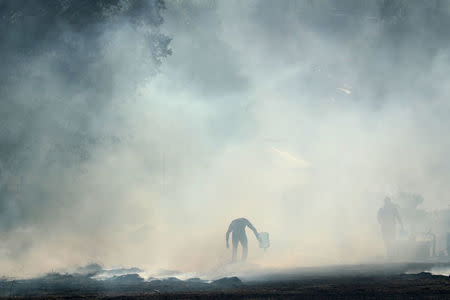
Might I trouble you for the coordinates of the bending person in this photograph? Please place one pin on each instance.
(237, 228)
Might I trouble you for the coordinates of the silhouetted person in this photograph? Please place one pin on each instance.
(388, 217)
(237, 228)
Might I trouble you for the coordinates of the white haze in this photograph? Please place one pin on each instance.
(255, 114)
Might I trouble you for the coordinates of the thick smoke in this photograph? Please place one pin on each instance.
(70, 68)
(298, 115)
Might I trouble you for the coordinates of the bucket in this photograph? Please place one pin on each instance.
(264, 241)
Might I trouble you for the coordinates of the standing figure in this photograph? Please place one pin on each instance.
(237, 228)
(388, 217)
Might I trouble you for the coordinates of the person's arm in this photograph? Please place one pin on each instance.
(397, 216)
(253, 229)
(379, 216)
(228, 235)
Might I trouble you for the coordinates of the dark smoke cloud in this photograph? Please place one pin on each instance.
(64, 65)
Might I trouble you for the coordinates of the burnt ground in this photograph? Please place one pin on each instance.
(340, 282)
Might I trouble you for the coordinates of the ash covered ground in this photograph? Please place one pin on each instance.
(395, 280)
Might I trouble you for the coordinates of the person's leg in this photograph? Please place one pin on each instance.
(386, 239)
(244, 248)
(234, 251)
(389, 241)
(388, 248)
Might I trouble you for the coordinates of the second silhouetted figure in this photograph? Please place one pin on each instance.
(237, 227)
